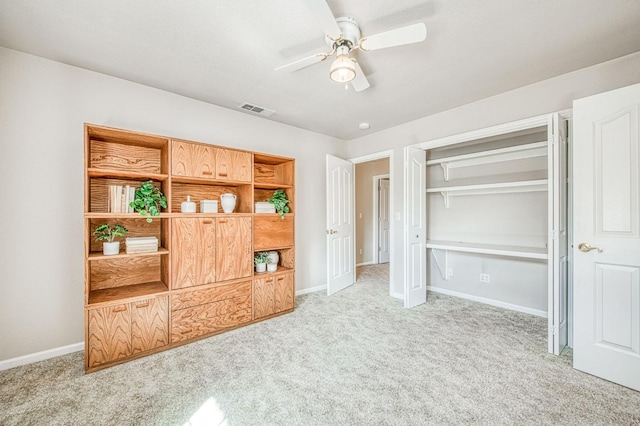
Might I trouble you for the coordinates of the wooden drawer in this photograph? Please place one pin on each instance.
(208, 318)
(204, 311)
(189, 299)
(272, 232)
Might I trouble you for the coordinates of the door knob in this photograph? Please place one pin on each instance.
(331, 231)
(586, 247)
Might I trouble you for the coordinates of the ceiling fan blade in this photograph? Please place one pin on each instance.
(360, 83)
(405, 35)
(324, 17)
(304, 62)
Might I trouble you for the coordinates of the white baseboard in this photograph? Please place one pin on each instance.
(371, 262)
(40, 356)
(492, 302)
(311, 290)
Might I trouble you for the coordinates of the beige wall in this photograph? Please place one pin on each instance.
(365, 209)
(43, 107)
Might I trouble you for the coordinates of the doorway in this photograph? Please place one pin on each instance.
(373, 211)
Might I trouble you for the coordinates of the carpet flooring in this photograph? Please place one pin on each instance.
(355, 358)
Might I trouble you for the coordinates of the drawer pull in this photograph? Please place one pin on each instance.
(207, 173)
(207, 222)
(222, 174)
(222, 221)
(142, 305)
(119, 309)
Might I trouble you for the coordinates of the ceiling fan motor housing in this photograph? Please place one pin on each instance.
(350, 33)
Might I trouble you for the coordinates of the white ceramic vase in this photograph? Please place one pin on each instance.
(261, 267)
(228, 202)
(272, 267)
(109, 249)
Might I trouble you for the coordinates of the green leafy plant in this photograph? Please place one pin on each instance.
(261, 257)
(280, 201)
(106, 232)
(148, 200)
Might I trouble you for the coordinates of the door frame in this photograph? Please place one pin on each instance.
(372, 157)
(376, 210)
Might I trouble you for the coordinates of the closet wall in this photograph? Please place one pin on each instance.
(497, 201)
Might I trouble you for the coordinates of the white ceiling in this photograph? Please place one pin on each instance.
(224, 51)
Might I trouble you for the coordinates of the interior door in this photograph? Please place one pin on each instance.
(340, 227)
(415, 183)
(383, 221)
(557, 281)
(607, 236)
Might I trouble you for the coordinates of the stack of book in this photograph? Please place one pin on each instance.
(119, 198)
(141, 245)
(264, 207)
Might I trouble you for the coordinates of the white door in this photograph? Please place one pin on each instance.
(607, 236)
(557, 243)
(415, 183)
(383, 221)
(340, 229)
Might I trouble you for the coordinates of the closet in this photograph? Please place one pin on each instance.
(495, 225)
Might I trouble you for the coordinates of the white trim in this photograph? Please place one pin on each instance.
(311, 290)
(528, 123)
(397, 296)
(372, 157)
(376, 215)
(491, 302)
(365, 263)
(40, 356)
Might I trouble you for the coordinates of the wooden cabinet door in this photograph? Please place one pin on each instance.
(263, 297)
(192, 252)
(284, 290)
(149, 324)
(109, 334)
(234, 255)
(233, 165)
(272, 231)
(192, 159)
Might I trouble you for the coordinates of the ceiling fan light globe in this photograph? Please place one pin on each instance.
(343, 69)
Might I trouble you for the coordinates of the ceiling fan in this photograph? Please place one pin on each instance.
(344, 37)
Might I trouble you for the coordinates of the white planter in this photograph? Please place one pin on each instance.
(274, 257)
(261, 267)
(272, 267)
(109, 249)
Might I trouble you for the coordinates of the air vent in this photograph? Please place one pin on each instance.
(257, 109)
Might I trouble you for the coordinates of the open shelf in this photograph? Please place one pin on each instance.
(95, 256)
(492, 249)
(108, 173)
(125, 292)
(490, 188)
(281, 270)
(518, 152)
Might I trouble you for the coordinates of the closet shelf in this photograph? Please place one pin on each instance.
(493, 249)
(490, 188)
(519, 152)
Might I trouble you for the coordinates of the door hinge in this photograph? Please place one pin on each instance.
(553, 330)
(553, 234)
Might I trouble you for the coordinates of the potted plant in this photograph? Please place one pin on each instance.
(280, 201)
(108, 233)
(148, 200)
(260, 259)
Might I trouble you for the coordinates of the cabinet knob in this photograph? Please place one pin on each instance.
(119, 308)
(142, 305)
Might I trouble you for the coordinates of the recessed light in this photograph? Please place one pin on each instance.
(364, 126)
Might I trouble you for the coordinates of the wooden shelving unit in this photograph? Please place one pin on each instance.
(201, 280)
